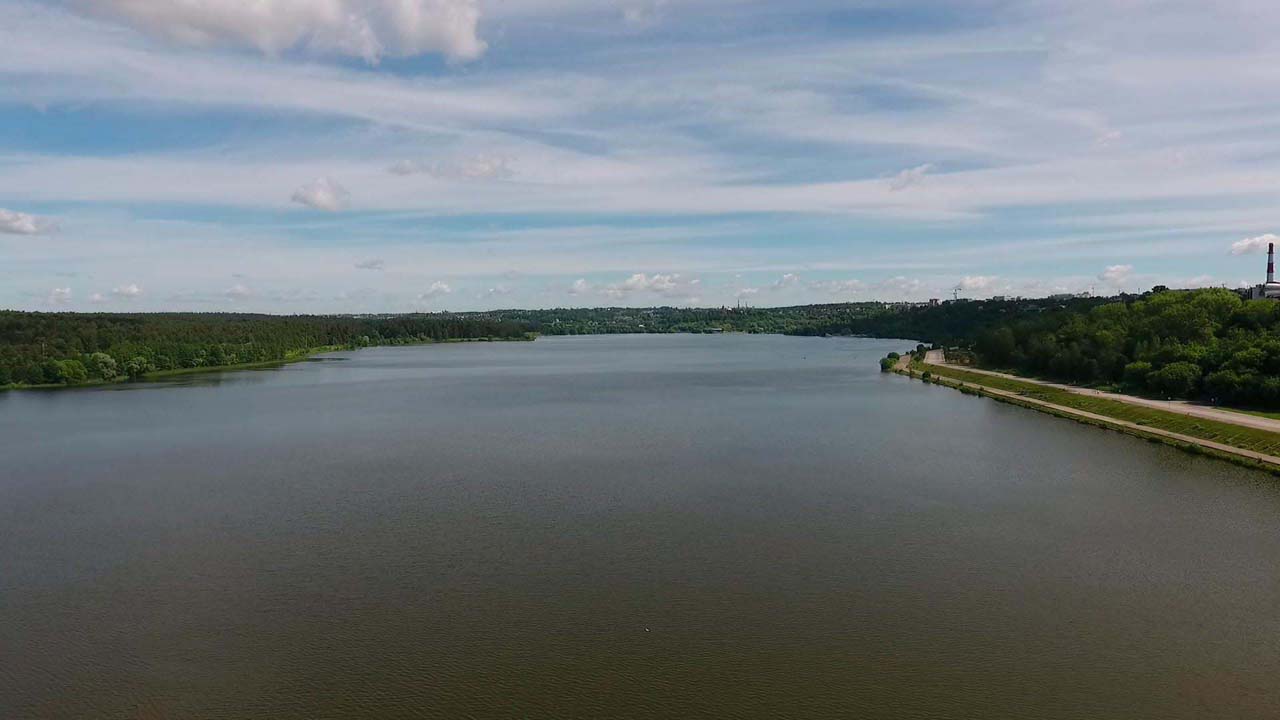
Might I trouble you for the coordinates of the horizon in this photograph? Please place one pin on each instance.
(445, 311)
(484, 155)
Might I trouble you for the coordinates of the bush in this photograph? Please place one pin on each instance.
(138, 367)
(71, 372)
(102, 365)
(1135, 374)
(1180, 379)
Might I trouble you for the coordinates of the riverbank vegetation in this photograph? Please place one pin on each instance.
(1248, 438)
(38, 349)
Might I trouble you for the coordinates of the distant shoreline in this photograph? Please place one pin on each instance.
(158, 376)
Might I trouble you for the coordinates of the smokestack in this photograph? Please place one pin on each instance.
(1271, 263)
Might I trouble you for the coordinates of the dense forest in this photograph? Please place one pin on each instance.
(74, 348)
(1200, 343)
(1208, 344)
(797, 320)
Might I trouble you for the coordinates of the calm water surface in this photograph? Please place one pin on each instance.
(609, 527)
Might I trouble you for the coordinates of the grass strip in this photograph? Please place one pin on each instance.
(1247, 438)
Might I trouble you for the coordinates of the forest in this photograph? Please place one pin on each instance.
(75, 348)
(795, 320)
(1197, 344)
(1209, 344)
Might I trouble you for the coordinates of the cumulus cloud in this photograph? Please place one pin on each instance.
(368, 29)
(909, 177)
(127, 292)
(371, 264)
(1251, 245)
(60, 296)
(322, 194)
(785, 282)
(97, 298)
(1116, 275)
(476, 167)
(17, 223)
(497, 290)
(238, 292)
(978, 282)
(673, 285)
(901, 285)
(436, 290)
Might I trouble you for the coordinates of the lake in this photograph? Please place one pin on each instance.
(613, 527)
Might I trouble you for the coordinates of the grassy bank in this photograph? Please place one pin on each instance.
(1225, 433)
(1195, 430)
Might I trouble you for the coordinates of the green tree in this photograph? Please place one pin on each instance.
(1180, 379)
(101, 365)
(1135, 374)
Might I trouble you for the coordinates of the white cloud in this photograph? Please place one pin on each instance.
(900, 285)
(436, 290)
(675, 286)
(127, 292)
(97, 298)
(1116, 275)
(497, 290)
(238, 292)
(17, 223)
(371, 264)
(322, 194)
(475, 167)
(978, 282)
(60, 296)
(909, 177)
(1256, 244)
(786, 282)
(368, 29)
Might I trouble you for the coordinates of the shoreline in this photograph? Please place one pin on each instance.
(159, 376)
(1187, 443)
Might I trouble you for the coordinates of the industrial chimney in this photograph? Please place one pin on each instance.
(1271, 263)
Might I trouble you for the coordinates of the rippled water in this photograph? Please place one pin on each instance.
(662, 526)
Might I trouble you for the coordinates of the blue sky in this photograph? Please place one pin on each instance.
(402, 155)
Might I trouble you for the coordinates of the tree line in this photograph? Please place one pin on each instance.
(73, 348)
(1207, 344)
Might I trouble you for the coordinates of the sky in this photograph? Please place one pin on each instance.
(351, 156)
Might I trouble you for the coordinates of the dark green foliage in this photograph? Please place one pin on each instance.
(72, 348)
(798, 320)
(1209, 344)
(1176, 380)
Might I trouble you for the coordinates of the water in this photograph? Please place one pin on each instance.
(663, 526)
